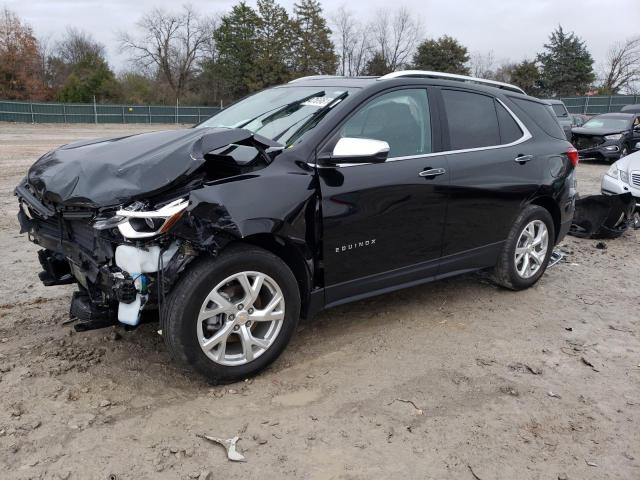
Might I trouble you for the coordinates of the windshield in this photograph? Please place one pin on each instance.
(559, 110)
(281, 113)
(608, 123)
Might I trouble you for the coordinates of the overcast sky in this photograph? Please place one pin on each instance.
(512, 29)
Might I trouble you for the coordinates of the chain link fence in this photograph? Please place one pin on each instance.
(30, 112)
(599, 104)
(94, 113)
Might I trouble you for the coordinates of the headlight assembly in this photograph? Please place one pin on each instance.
(144, 224)
(617, 136)
(613, 171)
(624, 176)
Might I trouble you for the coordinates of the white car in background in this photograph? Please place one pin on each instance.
(623, 176)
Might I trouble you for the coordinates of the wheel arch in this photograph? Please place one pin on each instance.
(552, 207)
(291, 255)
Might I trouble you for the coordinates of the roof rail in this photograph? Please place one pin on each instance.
(452, 76)
(315, 77)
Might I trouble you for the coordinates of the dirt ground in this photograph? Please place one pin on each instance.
(456, 379)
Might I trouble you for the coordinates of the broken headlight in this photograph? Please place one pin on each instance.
(134, 222)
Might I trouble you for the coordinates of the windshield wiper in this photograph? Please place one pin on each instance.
(311, 122)
(279, 110)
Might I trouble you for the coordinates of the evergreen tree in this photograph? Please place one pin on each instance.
(273, 48)
(567, 66)
(377, 65)
(237, 45)
(445, 54)
(526, 75)
(314, 53)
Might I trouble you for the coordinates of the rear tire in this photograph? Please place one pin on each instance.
(232, 297)
(511, 271)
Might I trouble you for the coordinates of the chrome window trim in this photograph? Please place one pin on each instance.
(526, 135)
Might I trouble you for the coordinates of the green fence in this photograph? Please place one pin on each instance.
(90, 113)
(597, 105)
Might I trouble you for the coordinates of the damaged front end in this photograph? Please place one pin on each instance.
(119, 217)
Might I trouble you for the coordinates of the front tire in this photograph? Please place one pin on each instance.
(231, 316)
(526, 253)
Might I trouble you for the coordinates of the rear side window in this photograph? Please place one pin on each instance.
(472, 120)
(509, 129)
(542, 116)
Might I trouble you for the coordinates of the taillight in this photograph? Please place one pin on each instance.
(572, 153)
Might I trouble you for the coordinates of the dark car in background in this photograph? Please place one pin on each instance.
(301, 197)
(607, 137)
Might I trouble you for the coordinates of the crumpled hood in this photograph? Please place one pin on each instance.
(107, 172)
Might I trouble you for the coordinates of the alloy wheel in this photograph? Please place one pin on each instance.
(531, 249)
(240, 318)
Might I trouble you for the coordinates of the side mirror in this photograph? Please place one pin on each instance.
(358, 150)
(636, 128)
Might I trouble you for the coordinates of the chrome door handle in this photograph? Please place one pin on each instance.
(523, 158)
(432, 172)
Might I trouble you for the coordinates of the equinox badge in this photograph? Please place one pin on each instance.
(353, 246)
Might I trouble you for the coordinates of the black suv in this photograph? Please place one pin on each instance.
(301, 197)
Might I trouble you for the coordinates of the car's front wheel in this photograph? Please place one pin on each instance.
(231, 316)
(526, 253)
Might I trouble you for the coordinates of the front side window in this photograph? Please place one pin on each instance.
(472, 120)
(400, 118)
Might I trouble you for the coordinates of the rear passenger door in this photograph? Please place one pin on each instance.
(493, 170)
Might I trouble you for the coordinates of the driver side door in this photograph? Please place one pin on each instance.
(383, 222)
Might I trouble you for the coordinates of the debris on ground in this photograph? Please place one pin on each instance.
(524, 368)
(554, 395)
(475, 475)
(591, 464)
(419, 411)
(601, 246)
(556, 256)
(230, 446)
(588, 363)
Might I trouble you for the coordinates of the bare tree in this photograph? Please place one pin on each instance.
(482, 65)
(170, 44)
(352, 42)
(622, 66)
(77, 46)
(395, 36)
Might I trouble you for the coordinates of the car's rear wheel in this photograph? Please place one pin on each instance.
(231, 316)
(526, 253)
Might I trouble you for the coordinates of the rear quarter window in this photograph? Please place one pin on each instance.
(472, 120)
(541, 115)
